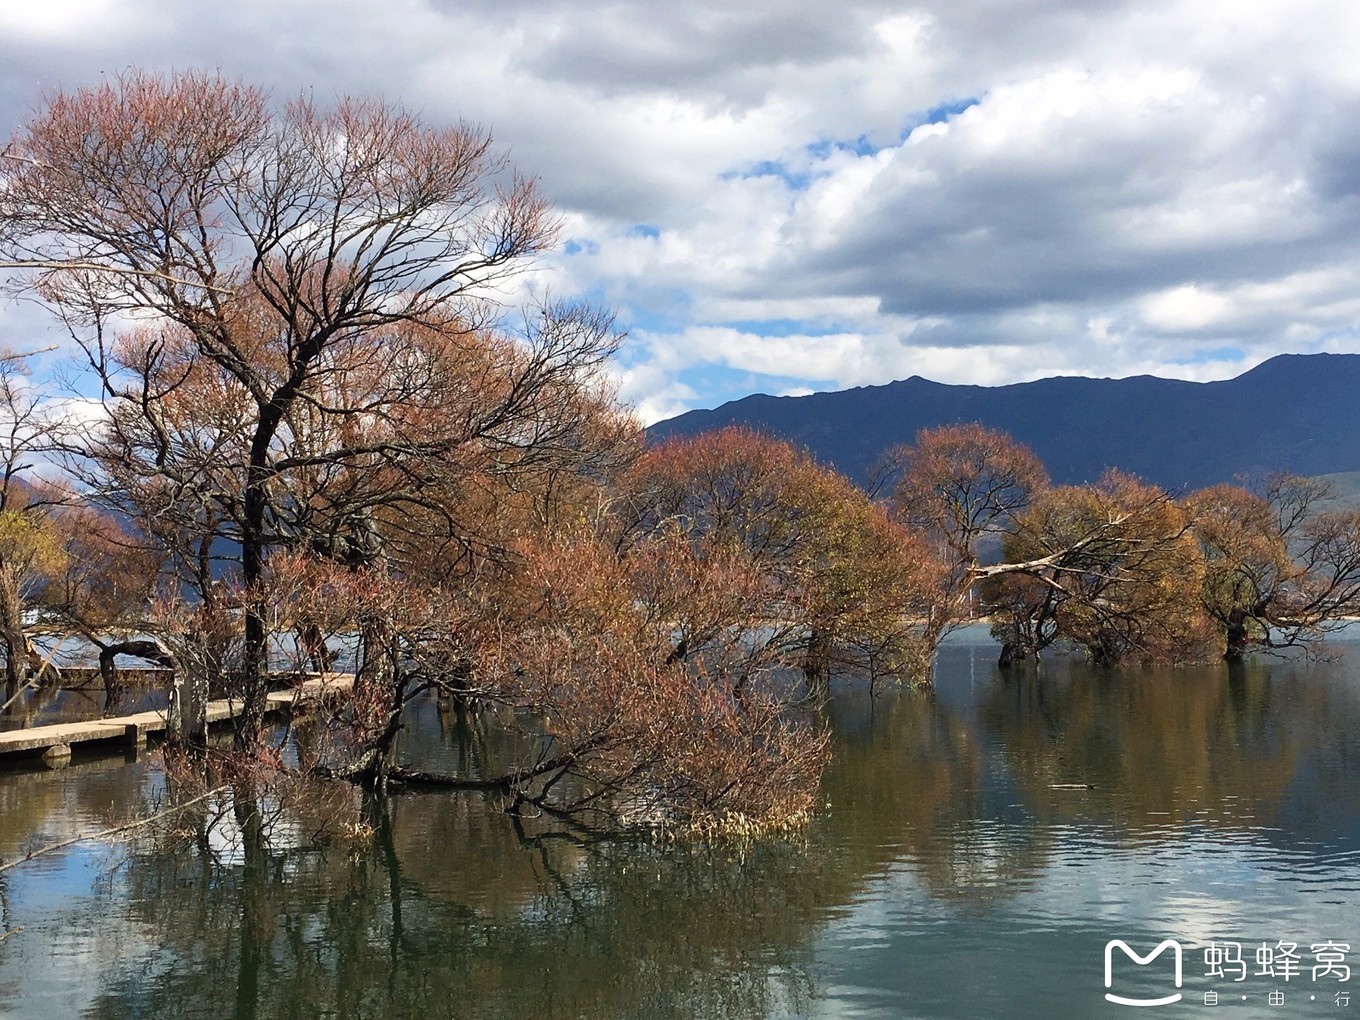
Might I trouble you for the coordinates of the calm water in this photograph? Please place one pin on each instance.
(945, 878)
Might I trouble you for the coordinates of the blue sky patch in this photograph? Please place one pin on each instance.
(859, 146)
(943, 112)
(798, 180)
(781, 327)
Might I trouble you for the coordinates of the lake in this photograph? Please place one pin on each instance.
(980, 848)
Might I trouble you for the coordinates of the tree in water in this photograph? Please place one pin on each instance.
(963, 487)
(845, 586)
(1281, 568)
(1111, 567)
(320, 422)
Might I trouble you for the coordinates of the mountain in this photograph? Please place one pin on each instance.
(1295, 413)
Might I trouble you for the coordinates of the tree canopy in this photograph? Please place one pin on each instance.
(322, 425)
(316, 423)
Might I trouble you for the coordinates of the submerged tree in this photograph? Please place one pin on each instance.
(843, 584)
(572, 648)
(964, 487)
(637, 731)
(321, 421)
(1111, 567)
(1279, 570)
(641, 643)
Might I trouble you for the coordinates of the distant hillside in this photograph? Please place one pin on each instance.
(1346, 488)
(1297, 413)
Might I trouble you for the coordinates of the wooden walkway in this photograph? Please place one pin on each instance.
(56, 740)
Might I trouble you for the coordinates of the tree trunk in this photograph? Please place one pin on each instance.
(1007, 657)
(46, 673)
(12, 630)
(256, 920)
(113, 687)
(313, 645)
(817, 663)
(186, 722)
(376, 662)
(1237, 637)
(255, 651)
(379, 682)
(108, 666)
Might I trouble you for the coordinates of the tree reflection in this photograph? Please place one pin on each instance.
(440, 904)
(448, 910)
(1160, 748)
(909, 781)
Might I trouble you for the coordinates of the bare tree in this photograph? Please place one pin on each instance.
(272, 255)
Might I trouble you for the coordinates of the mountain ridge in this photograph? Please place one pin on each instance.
(1294, 412)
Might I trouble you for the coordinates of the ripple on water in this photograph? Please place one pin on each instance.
(950, 879)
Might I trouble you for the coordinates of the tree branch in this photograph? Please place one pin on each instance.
(116, 830)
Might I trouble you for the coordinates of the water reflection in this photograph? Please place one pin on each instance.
(48, 704)
(1209, 804)
(912, 779)
(1160, 750)
(511, 925)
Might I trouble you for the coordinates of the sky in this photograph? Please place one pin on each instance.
(798, 196)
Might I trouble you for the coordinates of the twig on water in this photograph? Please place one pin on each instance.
(115, 831)
(31, 685)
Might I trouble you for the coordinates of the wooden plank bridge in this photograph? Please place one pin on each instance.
(56, 740)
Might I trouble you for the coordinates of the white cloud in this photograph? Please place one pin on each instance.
(56, 21)
(1135, 187)
(1186, 307)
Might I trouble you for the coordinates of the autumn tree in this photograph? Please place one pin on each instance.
(420, 450)
(842, 581)
(1280, 568)
(1023, 609)
(1112, 567)
(64, 567)
(640, 642)
(104, 592)
(964, 482)
(962, 486)
(573, 649)
(30, 556)
(637, 731)
(31, 548)
(304, 263)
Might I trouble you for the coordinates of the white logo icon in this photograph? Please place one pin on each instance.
(1142, 961)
